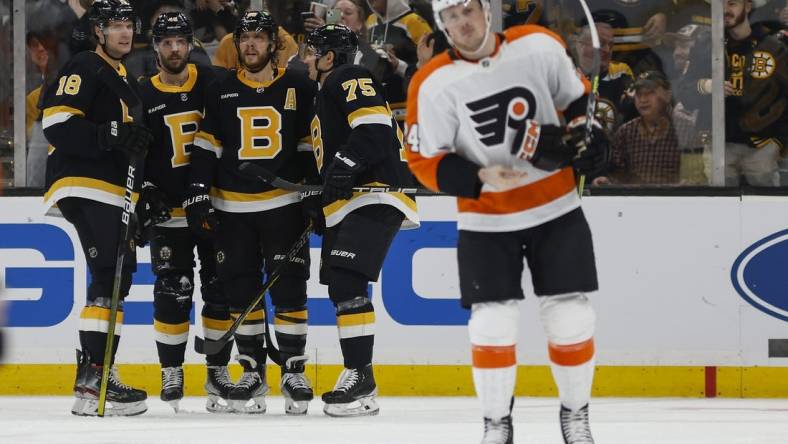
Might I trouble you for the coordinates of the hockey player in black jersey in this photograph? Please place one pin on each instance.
(92, 140)
(356, 141)
(258, 114)
(174, 101)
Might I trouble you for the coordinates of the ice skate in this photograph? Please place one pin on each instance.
(353, 395)
(498, 432)
(122, 400)
(296, 388)
(218, 386)
(575, 427)
(172, 386)
(248, 396)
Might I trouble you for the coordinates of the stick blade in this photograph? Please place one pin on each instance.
(208, 347)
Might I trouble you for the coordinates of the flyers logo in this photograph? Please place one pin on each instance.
(493, 114)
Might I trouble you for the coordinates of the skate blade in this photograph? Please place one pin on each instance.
(254, 406)
(296, 407)
(360, 407)
(217, 404)
(175, 404)
(89, 407)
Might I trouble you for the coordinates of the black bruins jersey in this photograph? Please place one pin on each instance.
(74, 105)
(248, 121)
(351, 114)
(613, 106)
(173, 114)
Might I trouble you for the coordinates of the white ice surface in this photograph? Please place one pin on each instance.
(402, 421)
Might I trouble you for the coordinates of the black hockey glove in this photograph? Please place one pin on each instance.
(542, 145)
(130, 138)
(592, 159)
(312, 207)
(200, 214)
(340, 177)
(152, 209)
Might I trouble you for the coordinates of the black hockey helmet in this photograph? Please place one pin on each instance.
(256, 21)
(172, 24)
(102, 12)
(337, 38)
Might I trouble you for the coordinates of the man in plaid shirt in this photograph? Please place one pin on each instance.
(647, 149)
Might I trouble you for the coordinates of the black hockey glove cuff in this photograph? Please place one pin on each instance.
(340, 177)
(152, 209)
(593, 153)
(200, 214)
(130, 138)
(542, 145)
(312, 208)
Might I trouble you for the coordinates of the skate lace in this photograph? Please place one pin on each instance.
(114, 377)
(496, 432)
(296, 381)
(347, 380)
(248, 379)
(575, 426)
(172, 377)
(221, 375)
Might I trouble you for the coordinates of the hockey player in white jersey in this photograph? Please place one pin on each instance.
(485, 125)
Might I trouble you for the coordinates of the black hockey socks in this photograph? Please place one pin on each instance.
(290, 326)
(356, 325)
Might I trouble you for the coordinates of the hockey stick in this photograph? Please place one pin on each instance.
(272, 179)
(592, 97)
(211, 347)
(112, 81)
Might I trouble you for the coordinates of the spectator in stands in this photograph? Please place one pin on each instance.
(142, 61)
(226, 54)
(756, 102)
(647, 149)
(431, 45)
(614, 106)
(394, 31)
(212, 19)
(522, 12)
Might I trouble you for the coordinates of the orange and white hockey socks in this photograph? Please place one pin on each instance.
(493, 333)
(569, 321)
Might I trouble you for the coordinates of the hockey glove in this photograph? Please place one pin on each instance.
(341, 177)
(127, 137)
(542, 145)
(312, 208)
(592, 158)
(152, 209)
(200, 214)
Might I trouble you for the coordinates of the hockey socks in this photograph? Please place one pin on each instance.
(290, 327)
(356, 325)
(93, 327)
(493, 332)
(569, 322)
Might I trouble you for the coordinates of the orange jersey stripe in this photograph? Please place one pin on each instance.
(424, 168)
(524, 198)
(491, 356)
(571, 355)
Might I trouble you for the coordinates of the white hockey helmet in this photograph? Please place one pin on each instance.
(440, 5)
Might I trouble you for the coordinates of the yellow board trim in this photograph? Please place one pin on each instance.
(434, 380)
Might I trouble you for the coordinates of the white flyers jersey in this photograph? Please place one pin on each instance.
(472, 109)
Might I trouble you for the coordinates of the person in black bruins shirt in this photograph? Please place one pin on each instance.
(174, 102)
(355, 141)
(92, 138)
(258, 114)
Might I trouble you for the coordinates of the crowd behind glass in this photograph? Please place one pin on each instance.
(654, 93)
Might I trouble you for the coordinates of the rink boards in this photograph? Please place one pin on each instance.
(693, 302)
